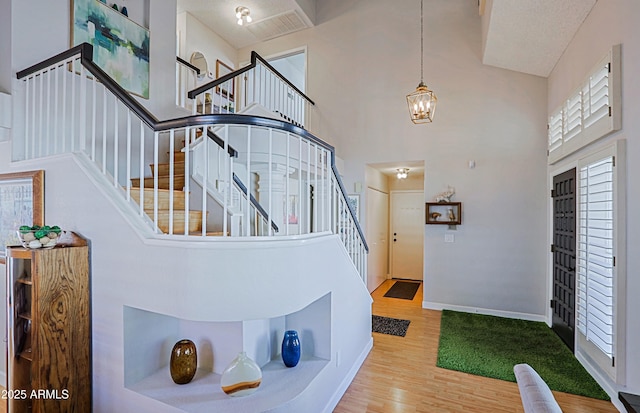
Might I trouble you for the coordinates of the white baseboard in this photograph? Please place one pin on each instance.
(602, 380)
(429, 305)
(335, 399)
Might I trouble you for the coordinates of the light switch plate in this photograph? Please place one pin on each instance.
(449, 238)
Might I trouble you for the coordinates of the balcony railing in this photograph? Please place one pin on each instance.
(258, 83)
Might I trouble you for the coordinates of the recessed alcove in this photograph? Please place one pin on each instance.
(149, 337)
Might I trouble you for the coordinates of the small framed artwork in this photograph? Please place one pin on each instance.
(354, 201)
(21, 203)
(226, 89)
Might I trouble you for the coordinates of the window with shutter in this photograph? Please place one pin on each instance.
(591, 112)
(595, 254)
(600, 280)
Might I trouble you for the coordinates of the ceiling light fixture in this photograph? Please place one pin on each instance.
(243, 15)
(402, 173)
(422, 102)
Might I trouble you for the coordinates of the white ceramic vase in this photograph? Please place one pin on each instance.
(242, 377)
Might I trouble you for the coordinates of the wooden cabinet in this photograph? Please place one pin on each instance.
(444, 213)
(49, 328)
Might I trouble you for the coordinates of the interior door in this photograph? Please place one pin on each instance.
(377, 238)
(564, 256)
(407, 234)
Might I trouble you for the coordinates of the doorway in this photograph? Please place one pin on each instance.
(389, 191)
(564, 256)
(407, 233)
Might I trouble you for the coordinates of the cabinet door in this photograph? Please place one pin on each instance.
(63, 335)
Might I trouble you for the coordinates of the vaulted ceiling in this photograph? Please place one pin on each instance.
(527, 36)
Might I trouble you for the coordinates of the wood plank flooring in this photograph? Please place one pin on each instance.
(400, 375)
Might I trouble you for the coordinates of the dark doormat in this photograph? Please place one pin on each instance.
(391, 326)
(403, 289)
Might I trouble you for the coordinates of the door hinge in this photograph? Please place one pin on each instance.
(551, 303)
(609, 111)
(609, 67)
(613, 159)
(553, 248)
(553, 193)
(613, 361)
(614, 261)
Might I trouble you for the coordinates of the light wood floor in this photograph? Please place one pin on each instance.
(400, 373)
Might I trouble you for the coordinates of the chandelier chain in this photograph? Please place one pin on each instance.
(421, 41)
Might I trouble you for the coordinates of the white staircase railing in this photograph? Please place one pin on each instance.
(71, 105)
(186, 80)
(255, 84)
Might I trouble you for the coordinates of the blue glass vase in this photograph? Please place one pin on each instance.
(291, 348)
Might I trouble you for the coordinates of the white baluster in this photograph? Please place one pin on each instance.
(128, 166)
(141, 169)
(155, 180)
(171, 176)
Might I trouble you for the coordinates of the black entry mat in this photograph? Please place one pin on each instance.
(403, 289)
(391, 326)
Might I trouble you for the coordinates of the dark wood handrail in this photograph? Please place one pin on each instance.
(255, 57)
(189, 65)
(254, 201)
(230, 150)
(86, 54)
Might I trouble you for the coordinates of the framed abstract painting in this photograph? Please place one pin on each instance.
(120, 46)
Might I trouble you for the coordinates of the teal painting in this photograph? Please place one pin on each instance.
(120, 46)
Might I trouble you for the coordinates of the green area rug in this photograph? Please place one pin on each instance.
(490, 346)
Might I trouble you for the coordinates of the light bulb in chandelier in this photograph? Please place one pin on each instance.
(243, 15)
(402, 173)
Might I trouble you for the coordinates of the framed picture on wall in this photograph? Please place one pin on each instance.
(120, 46)
(226, 89)
(21, 203)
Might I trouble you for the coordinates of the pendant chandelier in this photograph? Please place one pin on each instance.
(422, 102)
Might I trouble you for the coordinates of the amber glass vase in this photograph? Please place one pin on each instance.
(184, 361)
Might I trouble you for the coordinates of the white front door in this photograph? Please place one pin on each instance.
(407, 233)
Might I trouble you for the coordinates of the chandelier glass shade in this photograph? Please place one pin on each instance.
(422, 102)
(403, 173)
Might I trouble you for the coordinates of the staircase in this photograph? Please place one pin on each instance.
(164, 198)
(287, 171)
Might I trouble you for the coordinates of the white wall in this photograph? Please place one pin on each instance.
(591, 43)
(196, 37)
(363, 59)
(5, 46)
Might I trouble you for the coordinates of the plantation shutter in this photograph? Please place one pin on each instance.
(555, 131)
(590, 112)
(572, 119)
(595, 102)
(595, 293)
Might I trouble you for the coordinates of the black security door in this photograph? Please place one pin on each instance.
(564, 256)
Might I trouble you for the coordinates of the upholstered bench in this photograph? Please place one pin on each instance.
(534, 392)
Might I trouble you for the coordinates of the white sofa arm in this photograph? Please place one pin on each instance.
(534, 392)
